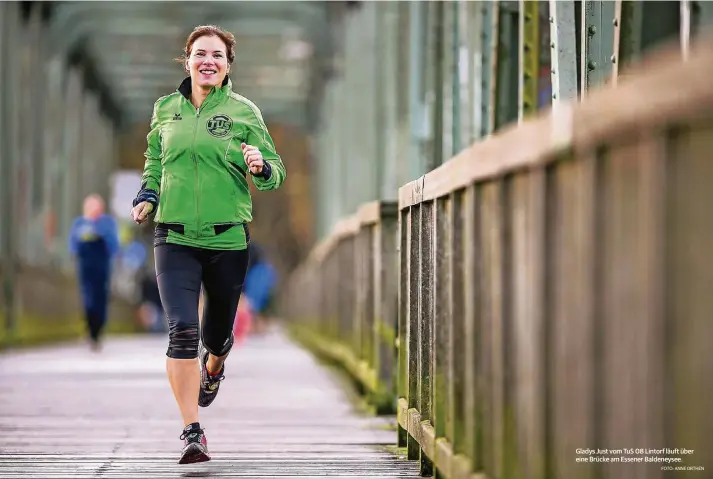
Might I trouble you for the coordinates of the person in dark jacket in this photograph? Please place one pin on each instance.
(94, 240)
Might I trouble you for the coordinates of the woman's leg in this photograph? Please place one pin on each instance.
(178, 273)
(101, 304)
(223, 276)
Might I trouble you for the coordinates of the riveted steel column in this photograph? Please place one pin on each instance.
(26, 137)
(470, 71)
(351, 178)
(106, 160)
(420, 128)
(322, 144)
(563, 43)
(627, 35)
(362, 179)
(37, 114)
(461, 74)
(507, 65)
(406, 150)
(111, 147)
(5, 170)
(335, 159)
(72, 152)
(598, 18)
(340, 110)
(4, 160)
(703, 15)
(373, 150)
(31, 244)
(10, 109)
(55, 161)
(319, 144)
(529, 58)
(385, 70)
(88, 149)
(346, 98)
(435, 83)
(488, 66)
(449, 77)
(685, 31)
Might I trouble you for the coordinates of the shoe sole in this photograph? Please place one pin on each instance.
(194, 453)
(205, 401)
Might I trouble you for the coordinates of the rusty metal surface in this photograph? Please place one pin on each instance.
(65, 412)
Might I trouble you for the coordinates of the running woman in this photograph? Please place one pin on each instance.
(204, 142)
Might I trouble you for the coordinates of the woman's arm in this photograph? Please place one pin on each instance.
(273, 172)
(151, 177)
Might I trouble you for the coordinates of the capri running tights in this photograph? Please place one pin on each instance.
(180, 270)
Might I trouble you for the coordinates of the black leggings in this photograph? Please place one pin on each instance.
(180, 270)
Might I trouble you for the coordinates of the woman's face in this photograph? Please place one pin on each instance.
(208, 63)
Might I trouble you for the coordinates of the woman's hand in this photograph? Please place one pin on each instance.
(140, 212)
(253, 158)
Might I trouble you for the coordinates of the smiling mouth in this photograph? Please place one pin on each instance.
(208, 72)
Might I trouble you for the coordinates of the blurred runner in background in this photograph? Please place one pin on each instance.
(150, 311)
(93, 241)
(259, 285)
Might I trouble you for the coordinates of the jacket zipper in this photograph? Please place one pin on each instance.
(195, 170)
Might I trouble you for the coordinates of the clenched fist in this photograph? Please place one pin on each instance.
(253, 158)
(141, 212)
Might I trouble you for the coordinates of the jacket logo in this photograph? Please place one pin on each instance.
(219, 125)
(177, 116)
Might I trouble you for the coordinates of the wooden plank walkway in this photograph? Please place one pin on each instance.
(66, 412)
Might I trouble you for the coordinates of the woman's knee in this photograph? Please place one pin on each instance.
(217, 345)
(183, 341)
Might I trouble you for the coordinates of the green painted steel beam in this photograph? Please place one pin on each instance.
(529, 58)
(597, 42)
(563, 47)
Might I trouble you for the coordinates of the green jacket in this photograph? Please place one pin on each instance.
(195, 169)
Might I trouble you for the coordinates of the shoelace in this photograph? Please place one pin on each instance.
(192, 435)
(210, 380)
(214, 379)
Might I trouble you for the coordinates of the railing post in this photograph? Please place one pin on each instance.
(402, 340)
(385, 285)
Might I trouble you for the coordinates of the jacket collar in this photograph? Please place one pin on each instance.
(223, 90)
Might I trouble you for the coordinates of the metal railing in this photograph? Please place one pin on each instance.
(553, 288)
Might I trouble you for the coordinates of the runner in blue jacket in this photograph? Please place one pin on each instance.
(94, 240)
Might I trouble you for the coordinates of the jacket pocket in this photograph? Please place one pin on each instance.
(234, 159)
